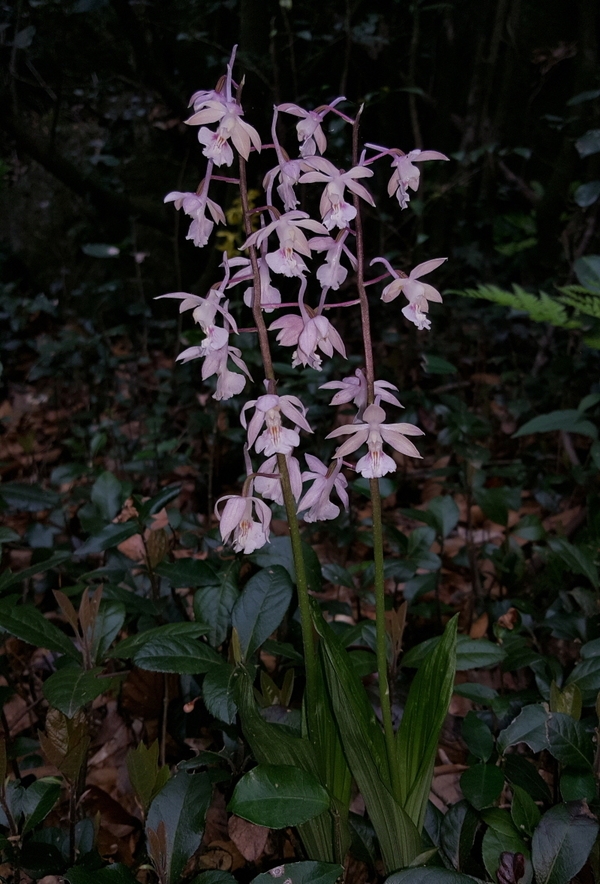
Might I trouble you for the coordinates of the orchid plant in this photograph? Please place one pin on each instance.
(288, 242)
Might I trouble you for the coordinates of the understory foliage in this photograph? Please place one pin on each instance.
(220, 665)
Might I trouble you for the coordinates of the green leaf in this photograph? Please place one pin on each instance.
(548, 423)
(477, 693)
(436, 365)
(145, 775)
(38, 800)
(335, 574)
(185, 629)
(277, 796)
(279, 552)
(457, 833)
(189, 573)
(587, 194)
(362, 486)
(496, 502)
(160, 500)
(482, 784)
(218, 690)
(30, 498)
(261, 607)
(184, 656)
(181, 809)
(108, 538)
(445, 513)
(477, 736)
(524, 811)
(562, 843)
(108, 623)
(213, 605)
(528, 727)
(301, 873)
(589, 143)
(502, 836)
(568, 741)
(577, 785)
(568, 700)
(8, 579)
(575, 558)
(115, 874)
(271, 744)
(107, 495)
(30, 625)
(429, 876)
(283, 649)
(521, 772)
(587, 270)
(588, 95)
(530, 528)
(72, 688)
(364, 748)
(471, 653)
(7, 535)
(424, 714)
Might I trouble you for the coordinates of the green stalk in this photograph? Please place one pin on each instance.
(382, 668)
(380, 638)
(308, 639)
(310, 658)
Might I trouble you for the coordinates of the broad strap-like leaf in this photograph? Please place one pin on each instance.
(424, 714)
(364, 748)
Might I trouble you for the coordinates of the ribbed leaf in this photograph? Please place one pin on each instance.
(363, 744)
(424, 714)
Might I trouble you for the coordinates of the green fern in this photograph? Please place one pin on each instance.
(581, 299)
(541, 308)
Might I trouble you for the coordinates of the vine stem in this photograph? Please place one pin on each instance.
(308, 640)
(379, 577)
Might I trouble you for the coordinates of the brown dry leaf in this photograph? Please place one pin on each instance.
(222, 855)
(114, 817)
(215, 825)
(249, 838)
(480, 627)
(133, 548)
(445, 788)
(567, 521)
(510, 619)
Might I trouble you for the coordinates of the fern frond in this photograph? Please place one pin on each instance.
(581, 299)
(542, 308)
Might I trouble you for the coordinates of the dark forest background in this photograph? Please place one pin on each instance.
(95, 92)
(92, 137)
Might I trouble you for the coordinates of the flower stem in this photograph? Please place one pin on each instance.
(379, 578)
(310, 659)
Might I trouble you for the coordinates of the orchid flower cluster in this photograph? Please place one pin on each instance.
(284, 239)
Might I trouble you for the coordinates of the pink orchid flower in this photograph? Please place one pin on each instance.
(374, 432)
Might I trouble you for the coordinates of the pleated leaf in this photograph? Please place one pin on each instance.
(424, 714)
(363, 743)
